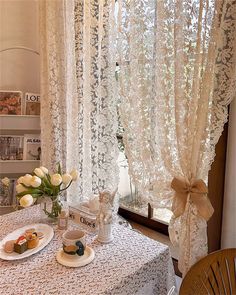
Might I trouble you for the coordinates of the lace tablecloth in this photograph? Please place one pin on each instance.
(131, 264)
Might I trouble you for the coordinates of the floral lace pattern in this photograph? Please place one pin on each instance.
(131, 264)
(224, 81)
(177, 77)
(78, 110)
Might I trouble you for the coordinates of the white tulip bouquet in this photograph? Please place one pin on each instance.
(30, 188)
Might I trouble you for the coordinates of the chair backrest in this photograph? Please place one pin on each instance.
(214, 275)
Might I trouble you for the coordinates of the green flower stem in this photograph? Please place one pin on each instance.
(56, 209)
(48, 178)
(59, 168)
(46, 183)
(66, 187)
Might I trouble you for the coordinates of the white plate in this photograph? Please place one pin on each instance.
(44, 228)
(75, 260)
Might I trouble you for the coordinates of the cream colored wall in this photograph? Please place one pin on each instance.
(229, 214)
(19, 69)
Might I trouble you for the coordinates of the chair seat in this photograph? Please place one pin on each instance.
(214, 274)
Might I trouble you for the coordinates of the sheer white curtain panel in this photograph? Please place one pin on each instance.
(78, 111)
(177, 78)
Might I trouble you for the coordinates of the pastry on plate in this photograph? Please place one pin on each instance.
(9, 246)
(20, 246)
(30, 230)
(33, 240)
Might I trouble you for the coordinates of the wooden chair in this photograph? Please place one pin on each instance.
(214, 275)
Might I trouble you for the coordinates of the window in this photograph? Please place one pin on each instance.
(130, 205)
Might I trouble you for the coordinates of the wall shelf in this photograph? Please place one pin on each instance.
(19, 122)
(14, 168)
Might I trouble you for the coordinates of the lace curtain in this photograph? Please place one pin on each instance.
(177, 78)
(78, 101)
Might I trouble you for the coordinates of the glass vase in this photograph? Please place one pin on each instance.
(50, 208)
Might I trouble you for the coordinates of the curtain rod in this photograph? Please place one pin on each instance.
(20, 47)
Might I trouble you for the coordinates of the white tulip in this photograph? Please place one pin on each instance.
(20, 180)
(27, 179)
(35, 181)
(44, 169)
(6, 181)
(39, 172)
(20, 188)
(26, 201)
(56, 179)
(66, 179)
(74, 174)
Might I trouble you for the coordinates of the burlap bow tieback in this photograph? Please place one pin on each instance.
(197, 190)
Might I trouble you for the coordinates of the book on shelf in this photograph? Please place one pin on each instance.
(32, 104)
(10, 102)
(32, 147)
(11, 147)
(8, 193)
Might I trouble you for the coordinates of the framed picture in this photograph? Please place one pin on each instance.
(11, 147)
(32, 147)
(32, 104)
(10, 102)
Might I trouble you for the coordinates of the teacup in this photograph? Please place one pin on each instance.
(74, 242)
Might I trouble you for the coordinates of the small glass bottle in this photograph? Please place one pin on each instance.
(63, 220)
(64, 215)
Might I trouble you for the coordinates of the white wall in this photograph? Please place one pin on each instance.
(19, 69)
(228, 238)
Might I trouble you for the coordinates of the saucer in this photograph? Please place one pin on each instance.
(75, 260)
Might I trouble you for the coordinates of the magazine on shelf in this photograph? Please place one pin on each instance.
(32, 147)
(11, 147)
(32, 104)
(8, 193)
(10, 102)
